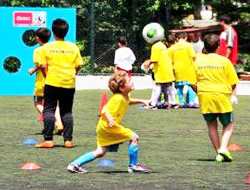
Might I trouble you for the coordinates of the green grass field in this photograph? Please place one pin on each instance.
(174, 143)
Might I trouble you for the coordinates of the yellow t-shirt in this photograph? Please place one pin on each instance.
(40, 79)
(214, 78)
(182, 54)
(62, 58)
(116, 107)
(163, 69)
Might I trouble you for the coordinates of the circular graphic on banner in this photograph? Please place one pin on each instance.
(12, 64)
(29, 37)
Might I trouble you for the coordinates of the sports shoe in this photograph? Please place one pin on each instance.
(69, 144)
(173, 106)
(45, 144)
(219, 158)
(74, 168)
(139, 168)
(227, 156)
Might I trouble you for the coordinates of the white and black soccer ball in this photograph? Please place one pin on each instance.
(153, 32)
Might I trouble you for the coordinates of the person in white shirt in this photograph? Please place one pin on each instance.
(124, 57)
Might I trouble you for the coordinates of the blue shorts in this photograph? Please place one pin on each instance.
(225, 118)
(181, 83)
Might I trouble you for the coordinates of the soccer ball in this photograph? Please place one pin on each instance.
(153, 32)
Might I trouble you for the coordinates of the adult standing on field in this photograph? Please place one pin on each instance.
(229, 45)
(62, 59)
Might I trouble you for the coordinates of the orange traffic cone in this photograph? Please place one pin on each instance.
(40, 119)
(29, 166)
(103, 102)
(234, 147)
(248, 180)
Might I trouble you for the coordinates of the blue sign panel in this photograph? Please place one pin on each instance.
(17, 43)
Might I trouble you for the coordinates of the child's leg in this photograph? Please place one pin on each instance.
(39, 107)
(133, 150)
(190, 95)
(180, 94)
(90, 156)
(171, 89)
(226, 136)
(58, 121)
(213, 134)
(185, 91)
(156, 94)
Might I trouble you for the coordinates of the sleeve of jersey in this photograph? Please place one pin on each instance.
(230, 38)
(231, 74)
(37, 58)
(154, 54)
(112, 105)
(193, 74)
(79, 60)
(191, 51)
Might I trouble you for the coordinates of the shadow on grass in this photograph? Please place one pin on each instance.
(205, 160)
(121, 172)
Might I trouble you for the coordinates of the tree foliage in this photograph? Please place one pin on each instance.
(128, 17)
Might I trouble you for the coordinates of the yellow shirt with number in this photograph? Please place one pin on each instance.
(40, 79)
(117, 107)
(163, 69)
(62, 57)
(182, 54)
(215, 76)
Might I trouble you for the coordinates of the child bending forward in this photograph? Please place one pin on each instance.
(110, 133)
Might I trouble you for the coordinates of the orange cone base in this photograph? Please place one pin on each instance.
(30, 166)
(234, 147)
(248, 180)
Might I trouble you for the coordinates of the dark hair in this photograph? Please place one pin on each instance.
(211, 42)
(60, 28)
(43, 34)
(181, 35)
(122, 40)
(225, 18)
(171, 39)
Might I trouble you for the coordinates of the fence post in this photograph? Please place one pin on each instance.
(92, 35)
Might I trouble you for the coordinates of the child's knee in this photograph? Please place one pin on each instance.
(100, 152)
(134, 139)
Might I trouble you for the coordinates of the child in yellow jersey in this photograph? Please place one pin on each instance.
(109, 131)
(214, 82)
(163, 72)
(183, 55)
(42, 37)
(61, 59)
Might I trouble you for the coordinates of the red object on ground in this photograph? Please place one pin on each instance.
(103, 102)
(29, 166)
(234, 147)
(248, 180)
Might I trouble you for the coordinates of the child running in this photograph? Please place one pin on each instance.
(110, 133)
(42, 37)
(214, 82)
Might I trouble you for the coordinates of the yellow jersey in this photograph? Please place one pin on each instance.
(163, 69)
(214, 77)
(62, 57)
(40, 79)
(182, 54)
(117, 107)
